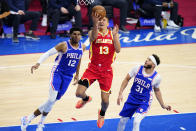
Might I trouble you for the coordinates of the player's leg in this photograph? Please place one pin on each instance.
(105, 82)
(137, 120)
(81, 93)
(61, 86)
(87, 79)
(140, 114)
(126, 113)
(122, 123)
(83, 84)
(104, 102)
(44, 109)
(104, 107)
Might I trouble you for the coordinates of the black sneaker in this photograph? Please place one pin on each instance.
(53, 36)
(15, 39)
(123, 29)
(32, 36)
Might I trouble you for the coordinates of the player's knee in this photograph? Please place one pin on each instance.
(83, 83)
(52, 99)
(78, 94)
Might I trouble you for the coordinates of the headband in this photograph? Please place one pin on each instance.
(153, 60)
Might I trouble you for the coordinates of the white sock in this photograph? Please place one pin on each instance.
(42, 119)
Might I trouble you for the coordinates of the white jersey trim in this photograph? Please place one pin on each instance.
(156, 81)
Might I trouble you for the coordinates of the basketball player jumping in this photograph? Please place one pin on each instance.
(140, 98)
(66, 64)
(104, 46)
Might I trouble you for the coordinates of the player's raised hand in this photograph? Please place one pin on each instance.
(120, 99)
(115, 30)
(35, 67)
(96, 17)
(76, 78)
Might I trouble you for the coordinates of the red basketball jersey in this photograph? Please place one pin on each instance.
(102, 51)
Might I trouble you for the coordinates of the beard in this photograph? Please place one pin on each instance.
(74, 42)
(148, 66)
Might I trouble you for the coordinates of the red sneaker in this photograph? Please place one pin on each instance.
(81, 103)
(100, 120)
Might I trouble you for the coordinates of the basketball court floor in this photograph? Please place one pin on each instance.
(22, 92)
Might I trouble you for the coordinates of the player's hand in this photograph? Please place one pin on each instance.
(165, 4)
(76, 78)
(115, 30)
(167, 107)
(64, 10)
(172, 4)
(20, 12)
(35, 67)
(77, 8)
(96, 17)
(120, 99)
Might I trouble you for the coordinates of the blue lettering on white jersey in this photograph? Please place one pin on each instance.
(67, 62)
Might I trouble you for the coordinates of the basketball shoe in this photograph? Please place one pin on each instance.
(100, 120)
(24, 123)
(81, 103)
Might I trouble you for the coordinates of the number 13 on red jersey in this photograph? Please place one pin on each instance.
(103, 50)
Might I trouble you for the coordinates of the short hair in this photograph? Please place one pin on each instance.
(156, 58)
(75, 29)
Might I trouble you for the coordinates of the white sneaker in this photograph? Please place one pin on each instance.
(157, 28)
(44, 20)
(172, 24)
(24, 123)
(40, 127)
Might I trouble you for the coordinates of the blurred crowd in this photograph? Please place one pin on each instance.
(16, 12)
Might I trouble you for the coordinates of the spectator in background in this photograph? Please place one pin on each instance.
(44, 4)
(56, 8)
(121, 4)
(4, 12)
(4, 9)
(157, 6)
(20, 15)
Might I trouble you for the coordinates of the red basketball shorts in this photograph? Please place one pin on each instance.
(103, 75)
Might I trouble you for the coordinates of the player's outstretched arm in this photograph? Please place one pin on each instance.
(160, 99)
(123, 86)
(94, 32)
(61, 47)
(116, 38)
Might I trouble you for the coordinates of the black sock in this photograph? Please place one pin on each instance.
(86, 98)
(102, 113)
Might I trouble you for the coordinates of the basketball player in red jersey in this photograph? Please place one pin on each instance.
(104, 46)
